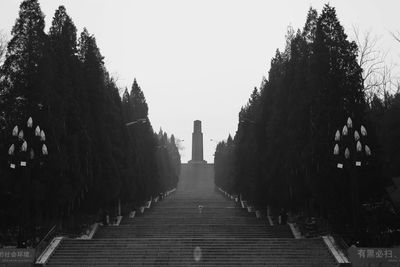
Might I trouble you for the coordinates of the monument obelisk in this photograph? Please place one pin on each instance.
(197, 143)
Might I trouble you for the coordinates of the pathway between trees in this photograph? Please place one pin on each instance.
(195, 226)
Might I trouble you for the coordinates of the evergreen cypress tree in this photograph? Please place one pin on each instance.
(95, 159)
(282, 153)
(64, 118)
(20, 90)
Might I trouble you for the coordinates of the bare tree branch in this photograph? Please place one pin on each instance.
(3, 46)
(396, 85)
(377, 75)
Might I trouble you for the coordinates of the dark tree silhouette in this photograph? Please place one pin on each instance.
(96, 159)
(282, 153)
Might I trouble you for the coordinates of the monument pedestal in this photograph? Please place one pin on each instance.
(197, 162)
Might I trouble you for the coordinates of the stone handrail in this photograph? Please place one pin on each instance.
(43, 258)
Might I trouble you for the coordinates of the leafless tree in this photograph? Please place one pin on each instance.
(377, 73)
(396, 36)
(3, 46)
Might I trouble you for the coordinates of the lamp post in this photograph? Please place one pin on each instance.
(27, 153)
(351, 153)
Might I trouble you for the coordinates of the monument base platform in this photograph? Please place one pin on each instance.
(197, 162)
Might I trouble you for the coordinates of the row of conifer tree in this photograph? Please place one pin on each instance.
(101, 146)
(282, 152)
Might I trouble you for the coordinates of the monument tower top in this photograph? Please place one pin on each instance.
(197, 126)
(197, 143)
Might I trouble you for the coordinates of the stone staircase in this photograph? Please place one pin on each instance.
(195, 226)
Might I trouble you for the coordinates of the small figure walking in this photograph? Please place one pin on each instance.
(282, 217)
(200, 209)
(106, 219)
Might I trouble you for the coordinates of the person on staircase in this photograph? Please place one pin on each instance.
(283, 217)
(200, 207)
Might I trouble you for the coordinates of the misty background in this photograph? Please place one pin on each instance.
(202, 59)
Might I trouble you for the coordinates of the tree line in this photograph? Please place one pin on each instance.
(282, 154)
(101, 148)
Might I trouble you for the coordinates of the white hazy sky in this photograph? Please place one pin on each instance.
(201, 59)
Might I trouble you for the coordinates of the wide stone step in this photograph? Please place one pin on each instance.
(187, 235)
(204, 215)
(228, 251)
(195, 230)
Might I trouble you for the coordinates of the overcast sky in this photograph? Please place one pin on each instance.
(201, 59)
